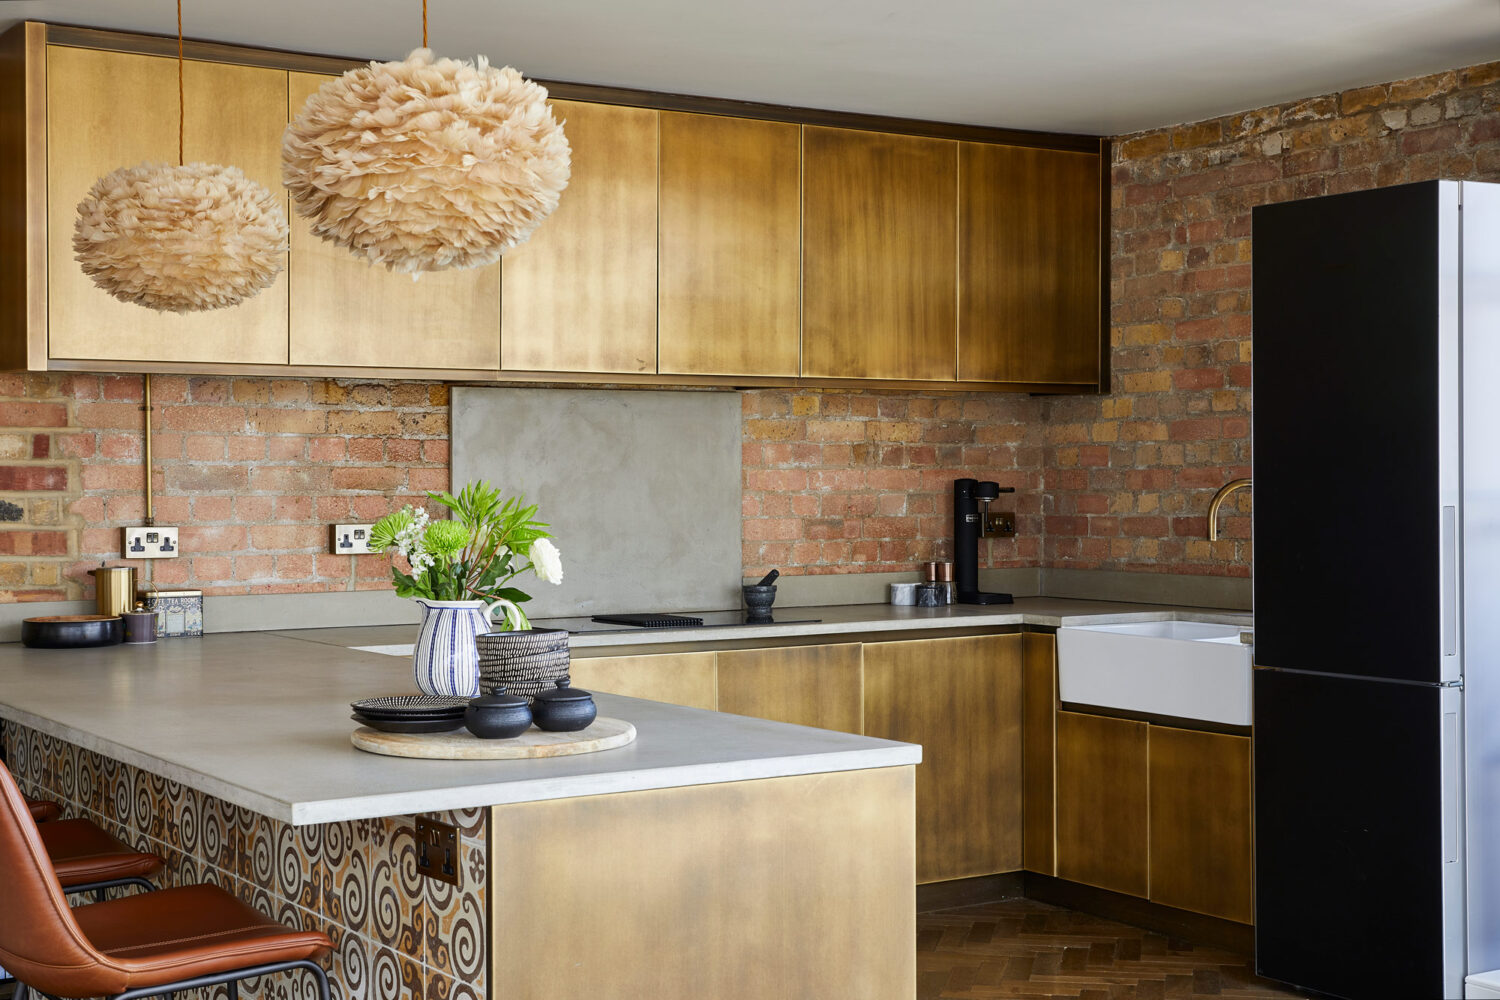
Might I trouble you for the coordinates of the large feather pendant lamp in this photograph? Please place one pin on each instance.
(426, 164)
(182, 238)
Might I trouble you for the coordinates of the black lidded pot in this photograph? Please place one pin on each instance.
(563, 709)
(497, 715)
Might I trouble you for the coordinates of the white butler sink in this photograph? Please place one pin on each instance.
(1187, 670)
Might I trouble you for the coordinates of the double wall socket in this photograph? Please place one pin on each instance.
(349, 539)
(154, 542)
(437, 850)
(1000, 524)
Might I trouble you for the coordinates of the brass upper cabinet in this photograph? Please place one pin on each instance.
(347, 311)
(1201, 854)
(107, 110)
(961, 700)
(580, 295)
(879, 262)
(728, 293)
(1028, 303)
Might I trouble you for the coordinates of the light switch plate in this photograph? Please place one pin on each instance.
(437, 850)
(154, 542)
(349, 539)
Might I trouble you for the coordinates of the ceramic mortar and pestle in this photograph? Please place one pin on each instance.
(760, 596)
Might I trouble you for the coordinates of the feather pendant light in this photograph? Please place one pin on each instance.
(426, 164)
(182, 238)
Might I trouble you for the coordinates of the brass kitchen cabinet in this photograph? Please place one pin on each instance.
(675, 678)
(961, 700)
(805, 685)
(580, 295)
(879, 271)
(348, 312)
(1039, 761)
(1201, 851)
(729, 282)
(107, 110)
(1102, 809)
(1029, 259)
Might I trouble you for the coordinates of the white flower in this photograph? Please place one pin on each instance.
(546, 561)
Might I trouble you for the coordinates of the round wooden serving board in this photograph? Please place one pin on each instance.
(603, 734)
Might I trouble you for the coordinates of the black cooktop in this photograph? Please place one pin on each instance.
(668, 622)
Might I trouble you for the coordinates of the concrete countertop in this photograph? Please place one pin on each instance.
(262, 720)
(842, 620)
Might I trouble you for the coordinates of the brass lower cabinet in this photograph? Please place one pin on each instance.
(1201, 852)
(757, 890)
(961, 700)
(675, 678)
(1102, 813)
(817, 686)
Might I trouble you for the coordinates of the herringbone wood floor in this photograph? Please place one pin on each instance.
(1029, 950)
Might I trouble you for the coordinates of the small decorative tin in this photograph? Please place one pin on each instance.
(178, 612)
(564, 709)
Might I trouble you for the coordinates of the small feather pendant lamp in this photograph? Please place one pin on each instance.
(182, 238)
(426, 164)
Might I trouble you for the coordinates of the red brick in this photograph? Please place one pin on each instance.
(27, 478)
(13, 414)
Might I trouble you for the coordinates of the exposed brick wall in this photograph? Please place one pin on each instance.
(862, 482)
(253, 470)
(1130, 475)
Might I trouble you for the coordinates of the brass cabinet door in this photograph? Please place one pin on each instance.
(1028, 231)
(731, 245)
(804, 685)
(348, 312)
(1201, 851)
(107, 110)
(879, 257)
(580, 295)
(961, 700)
(675, 678)
(1039, 759)
(1102, 802)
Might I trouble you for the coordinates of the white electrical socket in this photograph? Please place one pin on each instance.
(350, 539)
(154, 542)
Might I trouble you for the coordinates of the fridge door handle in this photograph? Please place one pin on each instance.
(1449, 583)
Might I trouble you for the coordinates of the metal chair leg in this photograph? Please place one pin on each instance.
(234, 991)
(21, 992)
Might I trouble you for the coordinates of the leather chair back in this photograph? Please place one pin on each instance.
(40, 943)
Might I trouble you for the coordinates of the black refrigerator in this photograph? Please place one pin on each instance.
(1376, 450)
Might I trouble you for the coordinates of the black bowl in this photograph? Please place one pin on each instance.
(72, 631)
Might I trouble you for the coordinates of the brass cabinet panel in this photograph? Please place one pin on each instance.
(730, 246)
(757, 890)
(346, 311)
(580, 295)
(107, 110)
(879, 255)
(675, 678)
(961, 700)
(806, 685)
(1028, 304)
(1039, 686)
(1201, 852)
(1102, 808)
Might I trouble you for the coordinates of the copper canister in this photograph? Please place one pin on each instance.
(114, 589)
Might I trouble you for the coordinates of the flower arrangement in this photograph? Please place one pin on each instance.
(474, 556)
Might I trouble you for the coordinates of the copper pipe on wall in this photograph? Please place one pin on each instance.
(146, 406)
(1218, 501)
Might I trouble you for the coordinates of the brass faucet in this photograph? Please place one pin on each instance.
(1218, 501)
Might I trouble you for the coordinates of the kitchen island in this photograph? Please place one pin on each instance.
(717, 855)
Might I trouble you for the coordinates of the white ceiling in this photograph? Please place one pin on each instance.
(1092, 66)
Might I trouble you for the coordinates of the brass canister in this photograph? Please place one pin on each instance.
(114, 589)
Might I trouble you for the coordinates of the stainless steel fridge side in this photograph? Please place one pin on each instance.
(1480, 531)
(1450, 566)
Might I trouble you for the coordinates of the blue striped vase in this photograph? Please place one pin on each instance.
(445, 659)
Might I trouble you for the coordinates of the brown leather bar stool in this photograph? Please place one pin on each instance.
(87, 859)
(139, 946)
(43, 812)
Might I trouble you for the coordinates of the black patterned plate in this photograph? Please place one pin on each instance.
(416, 727)
(410, 706)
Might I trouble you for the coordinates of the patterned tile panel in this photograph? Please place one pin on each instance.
(396, 933)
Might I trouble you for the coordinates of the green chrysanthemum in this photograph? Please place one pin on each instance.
(445, 539)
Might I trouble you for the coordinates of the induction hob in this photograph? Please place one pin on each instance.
(711, 619)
